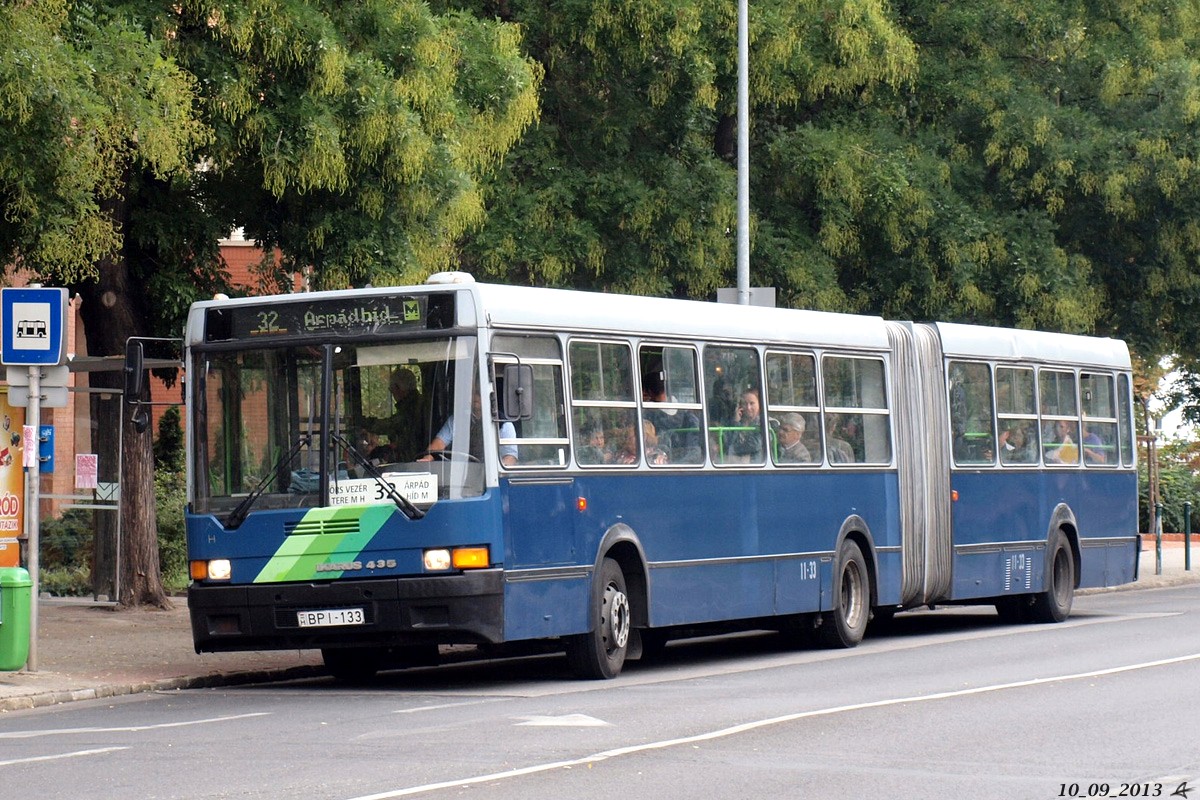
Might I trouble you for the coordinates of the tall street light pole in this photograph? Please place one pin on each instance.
(743, 155)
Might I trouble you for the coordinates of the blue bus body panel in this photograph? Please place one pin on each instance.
(1002, 522)
(719, 546)
(273, 545)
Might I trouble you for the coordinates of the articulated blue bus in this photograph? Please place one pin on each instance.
(379, 472)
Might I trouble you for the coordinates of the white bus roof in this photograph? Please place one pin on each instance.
(529, 308)
(978, 341)
(558, 309)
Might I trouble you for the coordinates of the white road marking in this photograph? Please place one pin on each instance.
(438, 707)
(565, 721)
(128, 728)
(76, 754)
(764, 723)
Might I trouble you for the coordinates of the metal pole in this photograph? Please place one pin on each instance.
(33, 479)
(743, 155)
(1158, 528)
(1187, 535)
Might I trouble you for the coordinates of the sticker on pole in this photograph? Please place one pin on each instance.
(29, 447)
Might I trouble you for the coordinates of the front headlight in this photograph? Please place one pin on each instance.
(215, 569)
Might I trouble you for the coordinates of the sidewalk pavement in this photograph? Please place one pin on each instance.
(88, 651)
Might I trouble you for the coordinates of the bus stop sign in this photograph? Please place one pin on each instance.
(33, 326)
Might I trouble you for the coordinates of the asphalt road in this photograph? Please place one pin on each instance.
(947, 704)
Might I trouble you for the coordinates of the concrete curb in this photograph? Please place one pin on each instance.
(213, 680)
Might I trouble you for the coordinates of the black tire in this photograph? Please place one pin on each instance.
(600, 653)
(846, 624)
(1054, 604)
(351, 664)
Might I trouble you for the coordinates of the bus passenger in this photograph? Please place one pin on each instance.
(445, 437)
(628, 454)
(746, 445)
(1093, 447)
(1061, 447)
(1015, 445)
(680, 427)
(839, 450)
(592, 448)
(403, 426)
(791, 448)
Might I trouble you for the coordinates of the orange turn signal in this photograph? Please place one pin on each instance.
(954, 495)
(199, 570)
(471, 558)
(581, 503)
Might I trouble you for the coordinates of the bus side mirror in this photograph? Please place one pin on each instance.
(135, 384)
(135, 374)
(518, 391)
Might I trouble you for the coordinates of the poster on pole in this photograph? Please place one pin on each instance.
(87, 471)
(12, 482)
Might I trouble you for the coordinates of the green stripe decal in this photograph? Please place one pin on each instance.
(300, 554)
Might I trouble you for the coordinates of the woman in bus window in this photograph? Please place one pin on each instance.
(1015, 445)
(747, 444)
(1062, 448)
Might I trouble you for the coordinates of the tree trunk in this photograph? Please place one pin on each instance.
(113, 309)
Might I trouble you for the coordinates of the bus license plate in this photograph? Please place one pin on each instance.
(331, 616)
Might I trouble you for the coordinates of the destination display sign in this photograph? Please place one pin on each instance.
(348, 316)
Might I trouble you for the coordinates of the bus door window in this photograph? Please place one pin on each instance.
(603, 406)
(1125, 420)
(856, 413)
(541, 440)
(792, 409)
(671, 404)
(971, 430)
(1098, 436)
(735, 420)
(1016, 412)
(1060, 416)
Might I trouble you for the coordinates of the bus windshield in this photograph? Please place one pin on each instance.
(266, 416)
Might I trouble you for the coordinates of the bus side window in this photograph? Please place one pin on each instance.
(857, 420)
(671, 403)
(733, 387)
(1060, 417)
(1099, 432)
(973, 439)
(792, 408)
(541, 440)
(603, 407)
(1125, 419)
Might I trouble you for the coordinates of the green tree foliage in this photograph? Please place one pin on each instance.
(1011, 162)
(82, 95)
(628, 182)
(348, 138)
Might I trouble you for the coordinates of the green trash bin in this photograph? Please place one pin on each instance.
(15, 593)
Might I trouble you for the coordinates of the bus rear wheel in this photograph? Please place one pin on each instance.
(600, 653)
(845, 625)
(1054, 604)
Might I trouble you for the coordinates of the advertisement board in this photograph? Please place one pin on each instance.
(12, 482)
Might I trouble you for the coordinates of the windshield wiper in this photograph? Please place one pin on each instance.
(238, 515)
(403, 503)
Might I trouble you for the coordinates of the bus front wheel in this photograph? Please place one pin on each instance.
(600, 653)
(846, 624)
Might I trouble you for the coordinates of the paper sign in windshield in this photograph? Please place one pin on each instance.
(420, 488)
